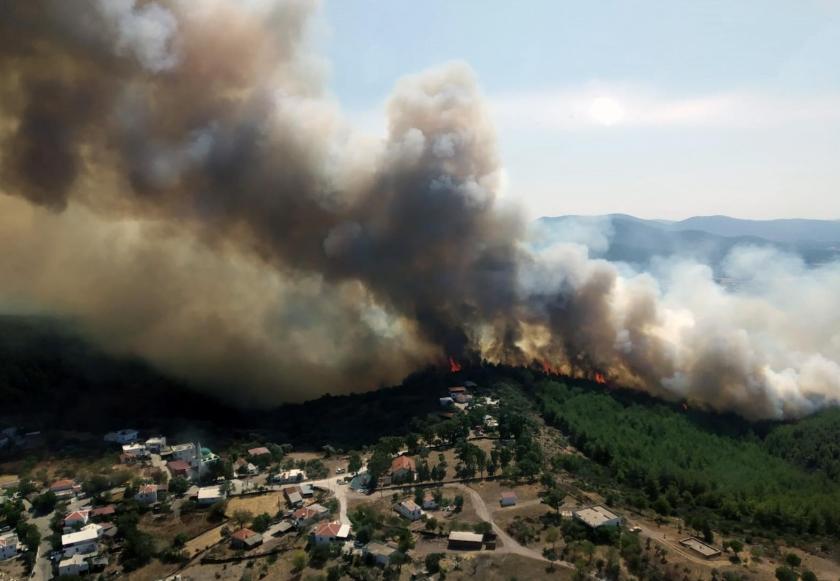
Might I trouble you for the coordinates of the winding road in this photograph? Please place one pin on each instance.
(509, 544)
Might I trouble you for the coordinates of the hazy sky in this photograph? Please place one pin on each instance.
(660, 109)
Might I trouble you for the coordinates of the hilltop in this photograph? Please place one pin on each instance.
(704, 238)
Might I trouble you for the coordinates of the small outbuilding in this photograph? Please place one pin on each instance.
(508, 498)
(465, 541)
(701, 548)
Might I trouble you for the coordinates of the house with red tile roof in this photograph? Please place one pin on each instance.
(260, 451)
(245, 539)
(403, 468)
(103, 512)
(62, 485)
(147, 494)
(330, 531)
(308, 514)
(179, 468)
(76, 519)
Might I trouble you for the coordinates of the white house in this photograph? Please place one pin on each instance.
(185, 453)
(330, 531)
(82, 542)
(147, 494)
(135, 451)
(156, 444)
(294, 475)
(8, 546)
(73, 565)
(208, 495)
(597, 516)
(490, 422)
(380, 553)
(122, 436)
(410, 510)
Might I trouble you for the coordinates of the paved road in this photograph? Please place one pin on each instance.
(509, 544)
(42, 571)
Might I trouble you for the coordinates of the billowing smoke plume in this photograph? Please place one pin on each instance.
(174, 176)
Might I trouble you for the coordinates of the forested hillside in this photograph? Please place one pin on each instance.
(662, 458)
(813, 443)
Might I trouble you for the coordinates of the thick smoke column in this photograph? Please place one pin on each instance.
(176, 178)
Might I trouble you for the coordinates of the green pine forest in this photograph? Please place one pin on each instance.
(726, 475)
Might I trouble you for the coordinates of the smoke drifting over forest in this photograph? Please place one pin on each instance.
(176, 178)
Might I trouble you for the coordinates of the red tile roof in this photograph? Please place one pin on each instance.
(79, 515)
(328, 529)
(103, 510)
(260, 451)
(178, 466)
(148, 489)
(243, 534)
(508, 494)
(403, 463)
(59, 485)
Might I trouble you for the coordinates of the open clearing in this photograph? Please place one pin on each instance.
(269, 503)
(204, 541)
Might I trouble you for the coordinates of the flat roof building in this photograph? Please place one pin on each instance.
(597, 516)
(701, 548)
(465, 541)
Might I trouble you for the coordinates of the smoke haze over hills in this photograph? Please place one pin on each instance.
(197, 199)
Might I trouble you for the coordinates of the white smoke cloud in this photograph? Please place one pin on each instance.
(147, 32)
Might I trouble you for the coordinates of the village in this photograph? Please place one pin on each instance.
(461, 498)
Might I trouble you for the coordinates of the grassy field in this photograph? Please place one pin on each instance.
(269, 503)
(163, 529)
(204, 541)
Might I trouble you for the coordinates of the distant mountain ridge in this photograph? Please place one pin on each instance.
(705, 238)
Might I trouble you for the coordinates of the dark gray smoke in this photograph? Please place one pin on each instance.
(176, 178)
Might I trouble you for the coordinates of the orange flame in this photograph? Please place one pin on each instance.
(599, 378)
(454, 366)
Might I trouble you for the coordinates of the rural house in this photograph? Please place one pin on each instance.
(245, 539)
(330, 531)
(410, 510)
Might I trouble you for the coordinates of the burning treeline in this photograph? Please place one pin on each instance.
(175, 177)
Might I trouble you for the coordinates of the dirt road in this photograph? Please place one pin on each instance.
(509, 544)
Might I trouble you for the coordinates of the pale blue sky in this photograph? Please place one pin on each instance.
(659, 109)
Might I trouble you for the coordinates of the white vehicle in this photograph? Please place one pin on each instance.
(340, 470)
(635, 529)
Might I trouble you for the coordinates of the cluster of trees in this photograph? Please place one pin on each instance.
(13, 515)
(812, 443)
(662, 458)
